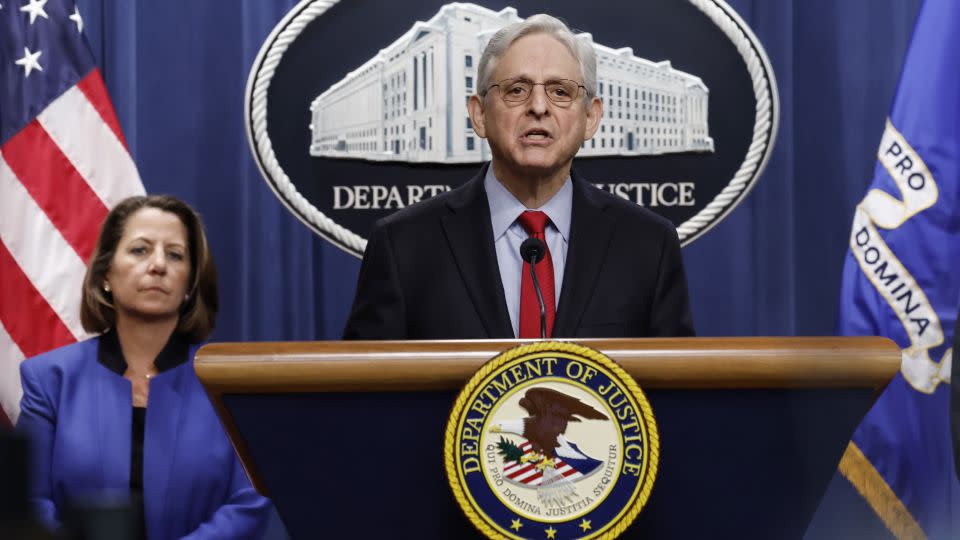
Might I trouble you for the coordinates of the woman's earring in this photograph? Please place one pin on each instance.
(106, 287)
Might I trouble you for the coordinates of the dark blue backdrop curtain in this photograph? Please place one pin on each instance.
(177, 71)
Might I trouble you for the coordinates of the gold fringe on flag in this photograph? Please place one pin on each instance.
(858, 470)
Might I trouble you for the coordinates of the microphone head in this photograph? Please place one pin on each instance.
(532, 250)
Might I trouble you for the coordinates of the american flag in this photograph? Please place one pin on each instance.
(63, 164)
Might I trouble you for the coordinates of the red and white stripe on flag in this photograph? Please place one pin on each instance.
(59, 176)
(528, 474)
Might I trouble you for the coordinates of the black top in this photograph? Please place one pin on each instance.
(136, 449)
(136, 470)
(110, 355)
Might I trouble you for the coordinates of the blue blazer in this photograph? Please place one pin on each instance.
(78, 414)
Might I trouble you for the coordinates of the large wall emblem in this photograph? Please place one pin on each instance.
(355, 109)
(373, 114)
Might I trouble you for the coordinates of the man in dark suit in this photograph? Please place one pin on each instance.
(450, 267)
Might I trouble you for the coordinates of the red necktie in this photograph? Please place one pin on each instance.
(535, 222)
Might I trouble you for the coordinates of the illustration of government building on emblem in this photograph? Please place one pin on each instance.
(408, 103)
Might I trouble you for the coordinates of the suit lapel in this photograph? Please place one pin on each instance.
(114, 417)
(590, 232)
(470, 236)
(165, 410)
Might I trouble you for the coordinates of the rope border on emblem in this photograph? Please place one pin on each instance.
(765, 122)
(450, 434)
(256, 111)
(289, 28)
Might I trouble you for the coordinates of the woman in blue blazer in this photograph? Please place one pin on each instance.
(124, 413)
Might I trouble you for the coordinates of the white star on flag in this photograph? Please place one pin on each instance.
(35, 9)
(29, 62)
(76, 18)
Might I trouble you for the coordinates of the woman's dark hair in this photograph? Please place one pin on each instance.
(198, 312)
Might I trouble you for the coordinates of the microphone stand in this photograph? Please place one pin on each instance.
(532, 251)
(543, 307)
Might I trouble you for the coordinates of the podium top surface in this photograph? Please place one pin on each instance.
(672, 363)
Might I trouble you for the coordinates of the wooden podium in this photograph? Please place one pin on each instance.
(347, 437)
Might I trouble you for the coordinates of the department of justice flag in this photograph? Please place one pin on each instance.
(901, 279)
(63, 164)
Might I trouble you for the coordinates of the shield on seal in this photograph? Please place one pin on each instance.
(525, 473)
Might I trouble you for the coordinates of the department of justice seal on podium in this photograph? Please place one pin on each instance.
(551, 440)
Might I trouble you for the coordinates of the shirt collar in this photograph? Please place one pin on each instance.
(110, 354)
(504, 207)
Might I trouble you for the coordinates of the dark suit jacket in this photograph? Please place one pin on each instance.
(78, 416)
(430, 272)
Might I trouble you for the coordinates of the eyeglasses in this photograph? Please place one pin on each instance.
(560, 91)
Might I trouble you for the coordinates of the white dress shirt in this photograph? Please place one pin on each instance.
(508, 234)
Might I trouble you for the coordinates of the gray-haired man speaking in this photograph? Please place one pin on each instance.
(451, 267)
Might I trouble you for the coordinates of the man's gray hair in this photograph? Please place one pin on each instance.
(580, 47)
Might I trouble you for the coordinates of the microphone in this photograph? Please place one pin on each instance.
(532, 250)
